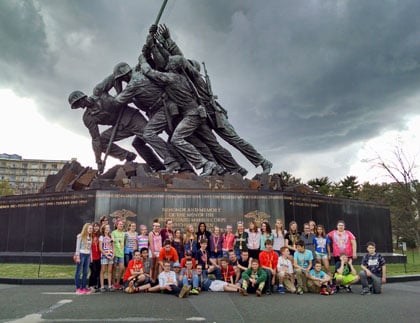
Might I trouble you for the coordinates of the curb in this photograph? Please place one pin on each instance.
(70, 281)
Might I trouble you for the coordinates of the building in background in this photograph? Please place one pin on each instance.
(27, 176)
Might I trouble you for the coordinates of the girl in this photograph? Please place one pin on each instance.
(106, 246)
(228, 241)
(155, 243)
(190, 241)
(143, 238)
(254, 238)
(322, 248)
(118, 236)
(203, 234)
(266, 234)
(278, 233)
(82, 258)
(130, 243)
(178, 244)
(95, 265)
(292, 237)
(216, 246)
(312, 226)
(241, 239)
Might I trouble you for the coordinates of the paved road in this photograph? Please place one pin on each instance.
(21, 303)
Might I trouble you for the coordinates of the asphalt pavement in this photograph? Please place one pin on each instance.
(59, 303)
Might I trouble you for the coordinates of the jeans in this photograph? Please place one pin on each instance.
(376, 282)
(82, 267)
(194, 281)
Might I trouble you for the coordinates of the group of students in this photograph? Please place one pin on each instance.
(253, 260)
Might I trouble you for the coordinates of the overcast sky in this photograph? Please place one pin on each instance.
(313, 85)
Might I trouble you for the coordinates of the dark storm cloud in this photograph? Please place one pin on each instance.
(295, 76)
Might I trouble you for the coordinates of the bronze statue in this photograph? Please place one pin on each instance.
(103, 110)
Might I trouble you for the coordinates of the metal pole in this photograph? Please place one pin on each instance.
(162, 7)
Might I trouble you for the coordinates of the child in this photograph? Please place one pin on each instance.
(216, 246)
(95, 265)
(155, 244)
(302, 263)
(82, 258)
(130, 243)
(190, 241)
(107, 256)
(345, 274)
(134, 277)
(215, 285)
(266, 234)
(203, 258)
(254, 240)
(279, 234)
(253, 279)
(285, 272)
(228, 273)
(168, 283)
(318, 280)
(241, 239)
(322, 247)
(189, 277)
(373, 267)
(228, 240)
(143, 238)
(178, 243)
(118, 237)
(268, 261)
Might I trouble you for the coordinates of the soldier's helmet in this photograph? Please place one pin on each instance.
(121, 69)
(74, 97)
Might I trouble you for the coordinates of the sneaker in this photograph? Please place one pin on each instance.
(324, 291)
(348, 289)
(333, 289)
(268, 291)
(87, 291)
(299, 291)
(258, 292)
(110, 289)
(79, 291)
(194, 291)
(129, 289)
(184, 291)
(243, 292)
(102, 290)
(281, 289)
(365, 292)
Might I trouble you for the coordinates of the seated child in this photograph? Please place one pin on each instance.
(253, 279)
(345, 274)
(374, 269)
(285, 272)
(134, 278)
(318, 280)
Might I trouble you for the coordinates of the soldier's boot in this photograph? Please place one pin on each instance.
(209, 168)
(130, 156)
(266, 166)
(171, 168)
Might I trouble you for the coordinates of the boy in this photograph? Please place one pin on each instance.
(253, 279)
(227, 271)
(318, 280)
(285, 272)
(167, 253)
(373, 267)
(203, 259)
(215, 285)
(168, 283)
(302, 263)
(345, 274)
(134, 277)
(268, 261)
(189, 277)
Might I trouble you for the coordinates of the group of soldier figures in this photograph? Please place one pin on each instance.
(176, 99)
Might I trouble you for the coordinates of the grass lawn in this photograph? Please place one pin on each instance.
(67, 271)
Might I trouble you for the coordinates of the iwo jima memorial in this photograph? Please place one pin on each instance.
(166, 92)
